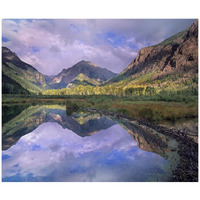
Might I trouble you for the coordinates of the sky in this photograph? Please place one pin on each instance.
(51, 45)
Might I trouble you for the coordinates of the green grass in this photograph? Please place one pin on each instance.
(148, 110)
(18, 76)
(135, 107)
(28, 79)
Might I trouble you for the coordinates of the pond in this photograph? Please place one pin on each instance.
(42, 144)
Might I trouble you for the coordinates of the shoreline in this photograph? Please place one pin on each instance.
(187, 169)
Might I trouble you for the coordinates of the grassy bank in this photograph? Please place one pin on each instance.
(139, 109)
(150, 110)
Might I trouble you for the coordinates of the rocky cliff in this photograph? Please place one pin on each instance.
(177, 54)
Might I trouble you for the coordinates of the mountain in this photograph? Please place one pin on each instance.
(82, 79)
(171, 65)
(10, 86)
(86, 68)
(150, 140)
(175, 56)
(83, 124)
(23, 77)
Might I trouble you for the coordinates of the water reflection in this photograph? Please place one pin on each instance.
(10, 112)
(148, 139)
(82, 124)
(62, 148)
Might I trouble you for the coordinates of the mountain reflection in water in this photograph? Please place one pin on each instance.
(82, 124)
(42, 143)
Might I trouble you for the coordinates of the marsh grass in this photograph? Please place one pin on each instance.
(71, 107)
(129, 106)
(158, 111)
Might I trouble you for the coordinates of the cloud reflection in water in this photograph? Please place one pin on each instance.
(51, 153)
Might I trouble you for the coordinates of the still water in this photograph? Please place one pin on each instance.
(42, 143)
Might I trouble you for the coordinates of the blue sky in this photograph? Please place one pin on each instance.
(53, 44)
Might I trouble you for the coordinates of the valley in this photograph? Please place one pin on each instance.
(165, 72)
(169, 69)
(153, 102)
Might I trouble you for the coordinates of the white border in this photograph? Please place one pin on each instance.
(99, 9)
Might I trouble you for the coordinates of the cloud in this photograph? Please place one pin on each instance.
(51, 153)
(53, 44)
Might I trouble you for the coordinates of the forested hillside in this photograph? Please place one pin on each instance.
(167, 71)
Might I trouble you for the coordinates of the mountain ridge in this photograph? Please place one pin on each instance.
(92, 71)
(30, 79)
(179, 53)
(174, 61)
(21, 73)
(82, 79)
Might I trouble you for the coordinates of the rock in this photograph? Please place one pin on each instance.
(177, 54)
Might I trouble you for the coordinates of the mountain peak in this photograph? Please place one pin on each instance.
(177, 54)
(20, 75)
(83, 62)
(9, 55)
(5, 49)
(85, 70)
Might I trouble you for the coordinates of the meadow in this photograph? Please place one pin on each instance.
(155, 108)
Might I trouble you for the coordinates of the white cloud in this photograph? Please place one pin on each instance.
(56, 154)
(62, 43)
